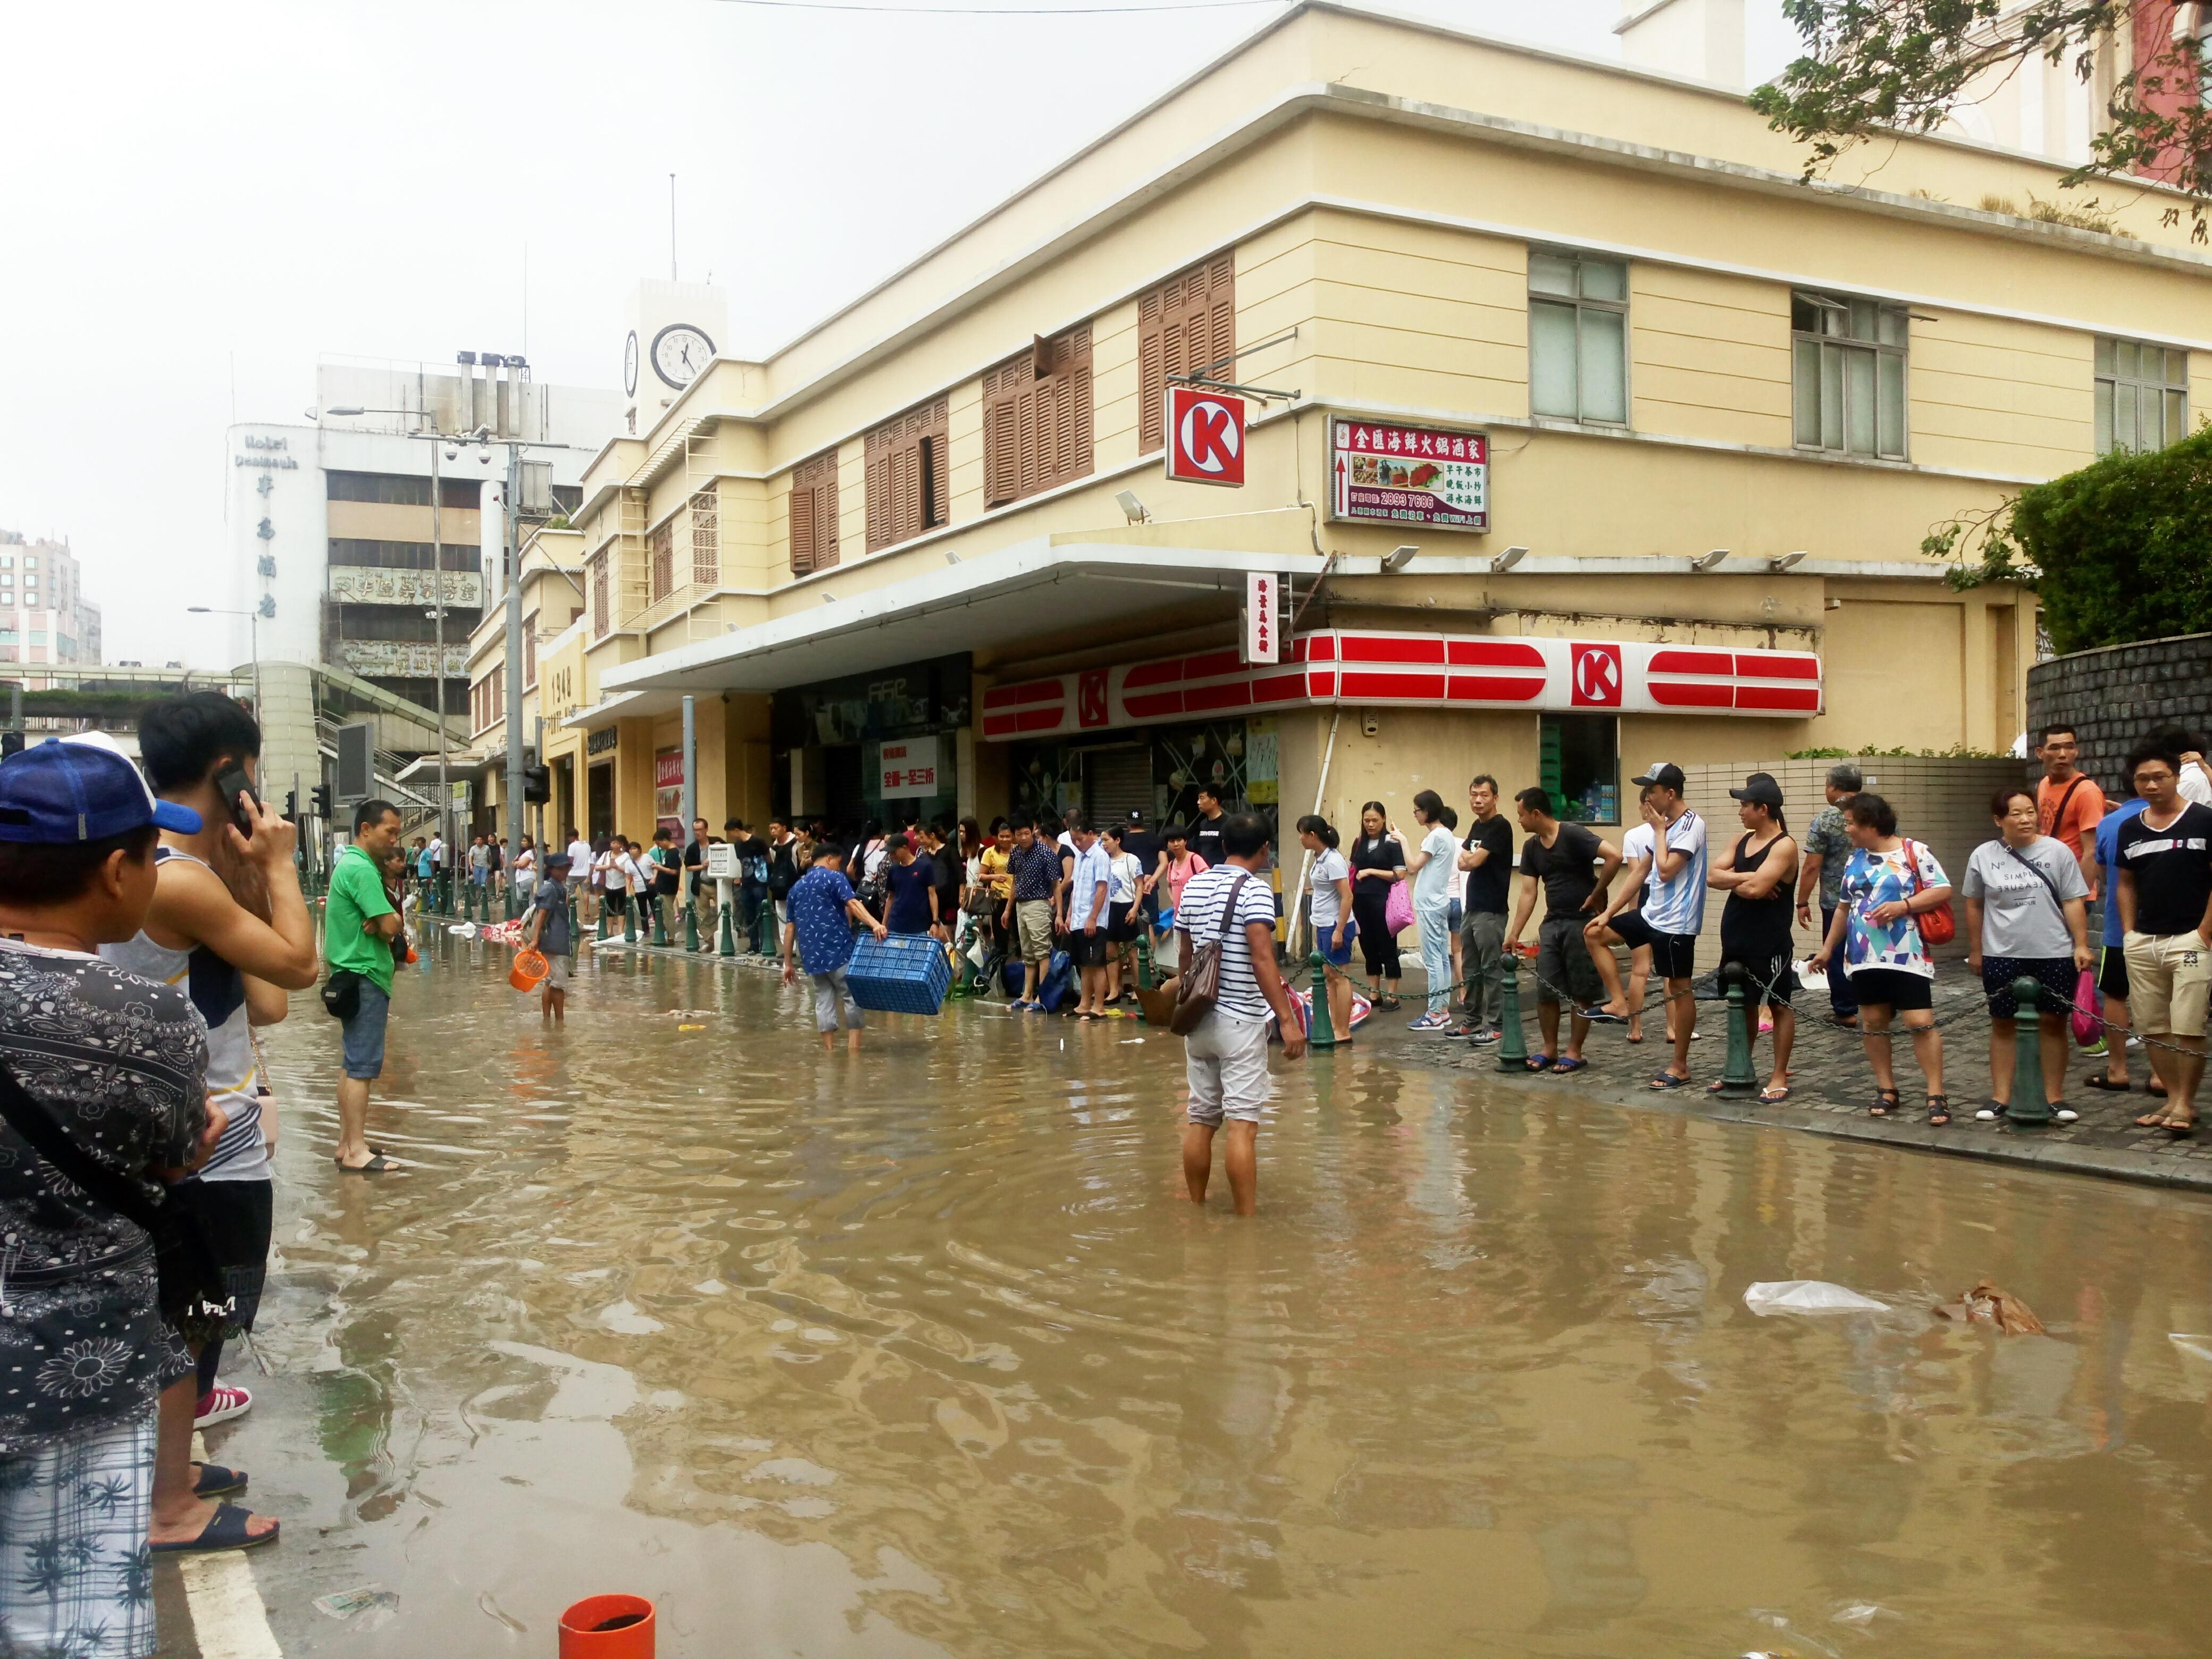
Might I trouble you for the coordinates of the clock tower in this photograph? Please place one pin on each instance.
(675, 328)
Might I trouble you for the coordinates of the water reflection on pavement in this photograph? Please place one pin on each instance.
(924, 1352)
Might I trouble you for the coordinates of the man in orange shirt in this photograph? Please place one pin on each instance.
(2067, 803)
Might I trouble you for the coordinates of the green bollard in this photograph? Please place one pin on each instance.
(575, 927)
(605, 928)
(691, 924)
(1144, 958)
(1320, 1029)
(629, 920)
(2029, 1108)
(1737, 1073)
(660, 921)
(1512, 1046)
(724, 929)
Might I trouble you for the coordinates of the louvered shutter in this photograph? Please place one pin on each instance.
(883, 528)
(1186, 325)
(802, 528)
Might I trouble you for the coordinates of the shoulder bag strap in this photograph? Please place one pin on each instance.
(36, 1125)
(2049, 885)
(1229, 904)
(2064, 801)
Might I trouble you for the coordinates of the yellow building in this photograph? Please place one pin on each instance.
(1669, 423)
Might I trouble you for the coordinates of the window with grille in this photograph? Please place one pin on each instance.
(663, 543)
(2142, 395)
(707, 537)
(813, 509)
(1847, 371)
(1037, 418)
(908, 479)
(1578, 337)
(1187, 324)
(599, 621)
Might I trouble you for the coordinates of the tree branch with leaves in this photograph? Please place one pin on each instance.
(1874, 69)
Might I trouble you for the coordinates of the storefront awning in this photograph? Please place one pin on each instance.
(1001, 599)
(623, 706)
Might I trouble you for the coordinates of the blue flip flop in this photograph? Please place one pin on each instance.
(1561, 1067)
(1666, 1080)
(1539, 1062)
(225, 1531)
(216, 1481)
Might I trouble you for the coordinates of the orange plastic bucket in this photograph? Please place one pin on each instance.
(608, 1627)
(529, 968)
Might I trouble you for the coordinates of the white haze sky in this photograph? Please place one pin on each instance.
(196, 203)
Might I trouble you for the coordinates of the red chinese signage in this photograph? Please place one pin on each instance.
(1410, 475)
(1205, 436)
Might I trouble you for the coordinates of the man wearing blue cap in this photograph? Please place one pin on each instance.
(102, 1097)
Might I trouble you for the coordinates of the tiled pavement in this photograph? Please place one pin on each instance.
(1832, 1084)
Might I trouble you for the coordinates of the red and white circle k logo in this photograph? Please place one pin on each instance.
(1204, 436)
(1595, 670)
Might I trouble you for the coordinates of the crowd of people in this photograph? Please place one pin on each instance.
(150, 922)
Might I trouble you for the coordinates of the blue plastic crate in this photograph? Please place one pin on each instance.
(900, 974)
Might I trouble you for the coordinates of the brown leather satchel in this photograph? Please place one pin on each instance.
(1199, 986)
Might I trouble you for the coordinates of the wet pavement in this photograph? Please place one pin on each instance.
(924, 1352)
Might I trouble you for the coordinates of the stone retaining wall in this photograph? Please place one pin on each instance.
(2117, 697)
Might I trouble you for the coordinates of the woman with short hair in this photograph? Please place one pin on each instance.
(1889, 884)
(2027, 917)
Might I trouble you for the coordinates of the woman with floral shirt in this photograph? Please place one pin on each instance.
(1888, 885)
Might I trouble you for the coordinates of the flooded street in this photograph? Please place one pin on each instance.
(926, 1353)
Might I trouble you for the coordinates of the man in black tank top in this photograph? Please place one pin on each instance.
(188, 743)
(1757, 873)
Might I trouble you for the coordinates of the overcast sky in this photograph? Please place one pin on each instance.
(199, 202)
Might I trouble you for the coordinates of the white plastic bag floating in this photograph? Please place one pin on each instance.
(1808, 1296)
(2201, 1346)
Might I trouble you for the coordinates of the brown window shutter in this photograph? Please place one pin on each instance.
(883, 528)
(802, 528)
(706, 537)
(1187, 324)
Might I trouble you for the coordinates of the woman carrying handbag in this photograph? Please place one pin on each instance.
(2027, 917)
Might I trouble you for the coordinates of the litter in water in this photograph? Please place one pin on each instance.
(2199, 1345)
(690, 1028)
(1999, 1307)
(1126, 1042)
(370, 1606)
(1808, 1296)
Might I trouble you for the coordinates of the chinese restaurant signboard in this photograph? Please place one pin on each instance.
(1410, 475)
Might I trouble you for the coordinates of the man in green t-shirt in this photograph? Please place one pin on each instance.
(359, 923)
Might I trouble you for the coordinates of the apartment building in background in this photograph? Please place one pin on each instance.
(1581, 434)
(44, 616)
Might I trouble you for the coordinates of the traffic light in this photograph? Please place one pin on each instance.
(537, 784)
(11, 743)
(322, 796)
(292, 805)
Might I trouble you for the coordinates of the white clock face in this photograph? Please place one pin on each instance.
(629, 365)
(681, 354)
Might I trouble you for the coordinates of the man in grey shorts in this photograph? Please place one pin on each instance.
(1560, 856)
(822, 910)
(1225, 1054)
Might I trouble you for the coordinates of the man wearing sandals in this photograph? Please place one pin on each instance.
(229, 923)
(359, 924)
(1558, 857)
(109, 1070)
(2165, 891)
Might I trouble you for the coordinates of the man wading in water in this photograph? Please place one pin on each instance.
(1225, 1056)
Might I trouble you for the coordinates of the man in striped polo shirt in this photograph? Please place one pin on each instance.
(1225, 1056)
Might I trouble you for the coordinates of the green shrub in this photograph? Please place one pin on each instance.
(2120, 550)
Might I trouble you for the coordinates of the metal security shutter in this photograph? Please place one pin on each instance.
(1120, 779)
(1186, 323)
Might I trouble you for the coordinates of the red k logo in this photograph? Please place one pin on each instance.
(1595, 672)
(1090, 697)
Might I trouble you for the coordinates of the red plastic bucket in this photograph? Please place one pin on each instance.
(608, 1627)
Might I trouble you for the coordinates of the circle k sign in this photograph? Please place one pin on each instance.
(1204, 436)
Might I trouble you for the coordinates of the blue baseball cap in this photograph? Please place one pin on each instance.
(79, 788)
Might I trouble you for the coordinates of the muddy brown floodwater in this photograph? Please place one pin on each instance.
(926, 1353)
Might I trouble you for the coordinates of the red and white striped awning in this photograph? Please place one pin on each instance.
(1432, 670)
